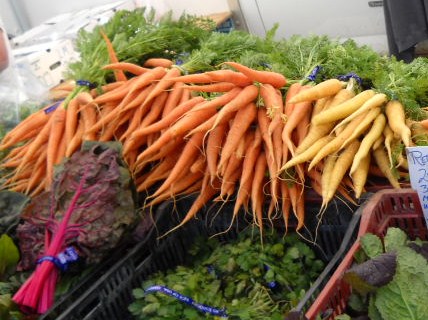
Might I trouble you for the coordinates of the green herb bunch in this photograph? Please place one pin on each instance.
(136, 36)
(246, 278)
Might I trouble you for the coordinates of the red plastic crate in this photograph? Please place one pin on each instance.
(386, 208)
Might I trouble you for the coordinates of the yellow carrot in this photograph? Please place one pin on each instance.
(359, 176)
(394, 111)
(382, 162)
(344, 109)
(362, 127)
(341, 165)
(368, 141)
(376, 101)
(335, 144)
(323, 89)
(307, 154)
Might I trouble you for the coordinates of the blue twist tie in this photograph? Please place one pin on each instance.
(350, 75)
(52, 107)
(271, 284)
(266, 65)
(62, 260)
(313, 75)
(189, 301)
(85, 83)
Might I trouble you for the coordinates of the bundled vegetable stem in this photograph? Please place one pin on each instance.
(89, 208)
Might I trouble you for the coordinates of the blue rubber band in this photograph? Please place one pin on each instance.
(85, 83)
(62, 260)
(350, 75)
(52, 107)
(313, 75)
(189, 301)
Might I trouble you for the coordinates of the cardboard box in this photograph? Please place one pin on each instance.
(46, 62)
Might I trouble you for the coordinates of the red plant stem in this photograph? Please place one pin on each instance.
(37, 293)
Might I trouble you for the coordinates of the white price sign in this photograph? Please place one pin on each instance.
(417, 158)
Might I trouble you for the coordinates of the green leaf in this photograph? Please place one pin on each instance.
(357, 302)
(395, 238)
(405, 297)
(138, 293)
(9, 255)
(372, 245)
(343, 317)
(373, 312)
(11, 205)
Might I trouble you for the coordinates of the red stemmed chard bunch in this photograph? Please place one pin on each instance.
(86, 213)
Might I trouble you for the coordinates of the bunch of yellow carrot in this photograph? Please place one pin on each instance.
(348, 130)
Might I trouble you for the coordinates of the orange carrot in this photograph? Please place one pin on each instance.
(119, 74)
(274, 105)
(38, 174)
(246, 96)
(208, 191)
(183, 164)
(174, 98)
(213, 148)
(133, 141)
(117, 93)
(144, 119)
(300, 111)
(234, 164)
(35, 121)
(226, 75)
(76, 140)
(208, 124)
(127, 67)
(158, 173)
(263, 122)
(163, 84)
(158, 62)
(241, 122)
(119, 110)
(193, 78)
(286, 204)
(211, 87)
(55, 135)
(180, 128)
(178, 188)
(274, 78)
(173, 146)
(219, 101)
(72, 120)
(88, 114)
(257, 189)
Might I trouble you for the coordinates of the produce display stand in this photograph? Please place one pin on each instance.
(386, 208)
(111, 292)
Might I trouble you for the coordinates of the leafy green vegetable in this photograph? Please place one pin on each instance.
(392, 284)
(372, 274)
(9, 255)
(248, 280)
(136, 36)
(372, 245)
(105, 210)
(11, 205)
(405, 297)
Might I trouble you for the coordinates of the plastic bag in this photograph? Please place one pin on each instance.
(9, 85)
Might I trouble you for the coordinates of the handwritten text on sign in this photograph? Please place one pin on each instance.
(417, 158)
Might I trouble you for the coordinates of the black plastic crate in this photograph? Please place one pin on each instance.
(111, 293)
